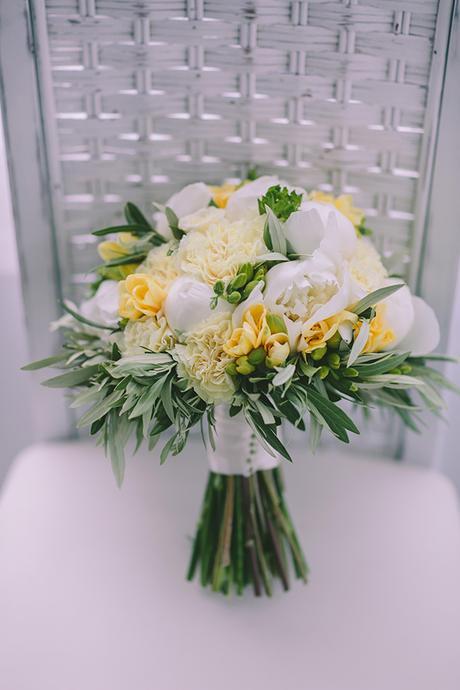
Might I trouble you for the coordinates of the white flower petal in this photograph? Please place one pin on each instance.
(188, 303)
(399, 312)
(102, 308)
(338, 302)
(188, 200)
(424, 335)
(162, 225)
(304, 230)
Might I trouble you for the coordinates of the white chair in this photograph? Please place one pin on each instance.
(117, 99)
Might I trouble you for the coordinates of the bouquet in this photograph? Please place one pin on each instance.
(238, 308)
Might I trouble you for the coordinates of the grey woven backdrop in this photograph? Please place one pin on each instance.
(150, 95)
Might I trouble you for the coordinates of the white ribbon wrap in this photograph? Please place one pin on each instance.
(237, 449)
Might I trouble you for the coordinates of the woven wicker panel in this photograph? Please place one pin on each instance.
(150, 95)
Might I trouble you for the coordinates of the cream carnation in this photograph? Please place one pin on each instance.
(203, 360)
(151, 333)
(217, 252)
(367, 271)
(160, 265)
(202, 219)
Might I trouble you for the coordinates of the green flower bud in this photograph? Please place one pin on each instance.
(350, 373)
(219, 287)
(334, 341)
(323, 372)
(231, 369)
(319, 353)
(238, 281)
(243, 366)
(406, 368)
(396, 371)
(260, 273)
(249, 288)
(234, 297)
(248, 271)
(333, 360)
(276, 323)
(257, 356)
(353, 388)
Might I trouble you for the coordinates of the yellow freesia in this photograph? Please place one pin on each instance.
(380, 335)
(140, 295)
(319, 333)
(221, 195)
(343, 203)
(252, 333)
(109, 250)
(277, 349)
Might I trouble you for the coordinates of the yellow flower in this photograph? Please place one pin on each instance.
(380, 335)
(221, 195)
(140, 295)
(277, 349)
(343, 203)
(252, 333)
(110, 250)
(117, 272)
(319, 333)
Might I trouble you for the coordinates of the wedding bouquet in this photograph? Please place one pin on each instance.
(236, 308)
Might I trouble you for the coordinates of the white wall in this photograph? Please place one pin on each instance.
(15, 417)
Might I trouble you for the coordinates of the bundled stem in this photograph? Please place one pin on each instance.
(245, 534)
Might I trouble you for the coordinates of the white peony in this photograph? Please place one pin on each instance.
(188, 200)
(189, 303)
(411, 322)
(320, 226)
(203, 360)
(304, 292)
(217, 252)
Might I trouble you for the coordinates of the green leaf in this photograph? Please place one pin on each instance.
(166, 399)
(284, 375)
(331, 411)
(275, 230)
(72, 378)
(359, 343)
(271, 256)
(100, 409)
(167, 449)
(133, 228)
(392, 360)
(47, 362)
(173, 221)
(281, 202)
(375, 297)
(135, 216)
(83, 319)
(124, 260)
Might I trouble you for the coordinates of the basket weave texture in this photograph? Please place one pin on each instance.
(152, 94)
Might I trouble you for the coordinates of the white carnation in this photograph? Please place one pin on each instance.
(202, 359)
(367, 271)
(151, 333)
(217, 252)
(161, 265)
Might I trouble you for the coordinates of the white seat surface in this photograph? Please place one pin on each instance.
(93, 595)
